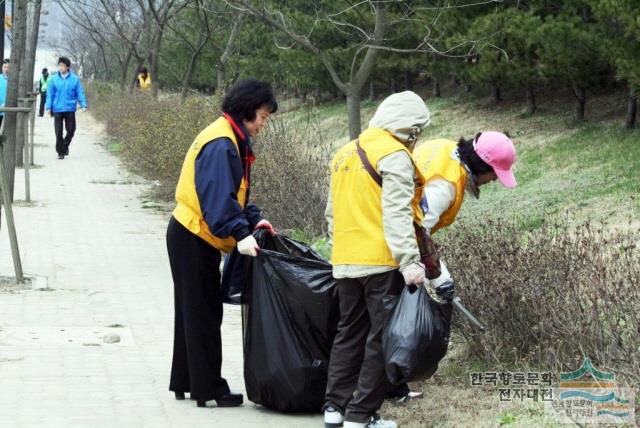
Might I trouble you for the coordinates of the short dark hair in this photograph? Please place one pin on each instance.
(247, 96)
(45, 70)
(470, 158)
(5, 61)
(144, 70)
(64, 60)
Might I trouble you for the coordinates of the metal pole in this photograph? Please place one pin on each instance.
(23, 122)
(13, 239)
(33, 128)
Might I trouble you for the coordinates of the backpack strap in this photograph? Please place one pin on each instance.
(367, 165)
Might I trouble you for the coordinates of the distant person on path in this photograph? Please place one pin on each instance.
(64, 92)
(143, 81)
(3, 86)
(42, 88)
(213, 215)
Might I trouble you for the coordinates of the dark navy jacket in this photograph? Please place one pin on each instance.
(219, 171)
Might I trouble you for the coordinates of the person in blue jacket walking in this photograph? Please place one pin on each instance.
(64, 92)
(3, 86)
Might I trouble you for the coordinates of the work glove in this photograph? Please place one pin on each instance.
(84, 109)
(248, 246)
(413, 274)
(264, 224)
(446, 290)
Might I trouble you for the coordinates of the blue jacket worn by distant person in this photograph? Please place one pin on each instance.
(3, 91)
(64, 93)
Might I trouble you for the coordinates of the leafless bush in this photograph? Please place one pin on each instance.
(551, 296)
(291, 176)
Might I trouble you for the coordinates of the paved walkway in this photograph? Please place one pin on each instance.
(104, 258)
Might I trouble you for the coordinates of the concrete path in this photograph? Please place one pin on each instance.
(103, 256)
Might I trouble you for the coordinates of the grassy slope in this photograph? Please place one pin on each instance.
(584, 170)
(587, 170)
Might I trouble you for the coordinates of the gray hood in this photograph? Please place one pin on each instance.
(402, 114)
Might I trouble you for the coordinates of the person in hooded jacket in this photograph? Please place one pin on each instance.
(374, 254)
(213, 215)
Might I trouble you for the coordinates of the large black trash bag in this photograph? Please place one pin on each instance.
(416, 337)
(234, 276)
(290, 317)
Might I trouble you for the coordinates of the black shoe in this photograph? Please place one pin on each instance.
(60, 156)
(179, 395)
(229, 399)
(66, 151)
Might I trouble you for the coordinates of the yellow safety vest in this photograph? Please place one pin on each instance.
(188, 211)
(144, 83)
(358, 230)
(436, 161)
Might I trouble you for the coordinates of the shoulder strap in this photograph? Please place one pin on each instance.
(367, 165)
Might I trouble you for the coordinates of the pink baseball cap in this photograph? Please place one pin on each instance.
(497, 150)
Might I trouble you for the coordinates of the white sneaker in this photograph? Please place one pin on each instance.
(333, 418)
(378, 422)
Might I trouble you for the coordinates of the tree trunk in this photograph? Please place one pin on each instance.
(581, 97)
(188, 76)
(531, 101)
(132, 82)
(26, 81)
(125, 70)
(467, 88)
(436, 87)
(408, 80)
(226, 55)
(353, 113)
(372, 90)
(17, 51)
(632, 108)
(155, 64)
(495, 93)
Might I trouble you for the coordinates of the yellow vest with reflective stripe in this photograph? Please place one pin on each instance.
(144, 83)
(358, 231)
(435, 160)
(187, 210)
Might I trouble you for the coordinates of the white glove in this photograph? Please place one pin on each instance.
(444, 277)
(248, 246)
(84, 109)
(413, 274)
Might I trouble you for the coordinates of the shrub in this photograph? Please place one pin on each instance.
(551, 296)
(290, 177)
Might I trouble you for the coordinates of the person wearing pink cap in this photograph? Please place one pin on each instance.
(450, 170)
(453, 169)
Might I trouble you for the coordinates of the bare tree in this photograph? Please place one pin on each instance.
(162, 11)
(19, 35)
(226, 54)
(204, 30)
(370, 40)
(29, 59)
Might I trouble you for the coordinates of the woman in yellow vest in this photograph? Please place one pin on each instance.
(452, 169)
(144, 79)
(213, 215)
(374, 252)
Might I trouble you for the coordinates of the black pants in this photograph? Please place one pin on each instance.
(43, 101)
(69, 119)
(197, 343)
(357, 381)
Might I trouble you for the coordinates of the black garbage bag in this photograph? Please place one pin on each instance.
(234, 276)
(290, 317)
(417, 335)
